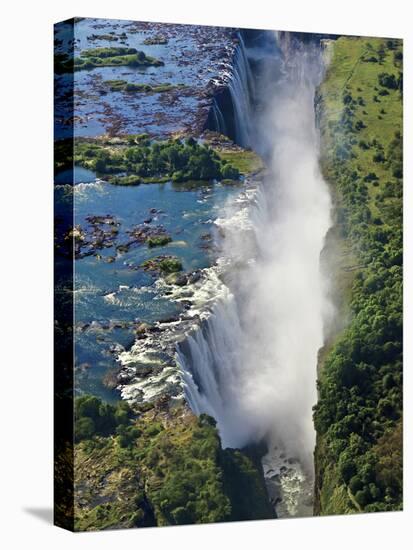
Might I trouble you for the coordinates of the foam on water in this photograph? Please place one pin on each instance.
(160, 351)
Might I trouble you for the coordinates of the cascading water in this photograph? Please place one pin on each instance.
(241, 90)
(252, 363)
(218, 118)
(241, 87)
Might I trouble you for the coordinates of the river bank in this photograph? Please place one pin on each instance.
(358, 415)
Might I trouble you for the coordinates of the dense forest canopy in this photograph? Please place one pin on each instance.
(165, 468)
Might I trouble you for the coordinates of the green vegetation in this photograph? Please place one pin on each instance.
(112, 37)
(156, 40)
(113, 57)
(93, 417)
(162, 264)
(158, 240)
(127, 180)
(359, 412)
(245, 161)
(116, 85)
(134, 159)
(104, 57)
(110, 52)
(125, 86)
(170, 265)
(139, 161)
(164, 469)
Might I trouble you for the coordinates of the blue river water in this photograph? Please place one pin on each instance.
(112, 293)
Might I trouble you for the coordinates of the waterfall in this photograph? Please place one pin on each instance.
(241, 87)
(231, 109)
(218, 118)
(252, 364)
(209, 359)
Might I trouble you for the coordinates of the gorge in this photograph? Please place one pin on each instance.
(253, 363)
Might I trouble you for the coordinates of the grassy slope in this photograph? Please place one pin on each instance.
(348, 72)
(245, 161)
(172, 470)
(353, 74)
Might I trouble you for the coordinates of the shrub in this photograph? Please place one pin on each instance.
(360, 125)
(378, 157)
(228, 172)
(158, 240)
(347, 467)
(84, 428)
(94, 416)
(355, 484)
(388, 81)
(371, 176)
(170, 265)
(363, 496)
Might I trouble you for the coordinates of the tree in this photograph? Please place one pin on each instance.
(347, 467)
(388, 81)
(94, 416)
(229, 172)
(84, 428)
(101, 162)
